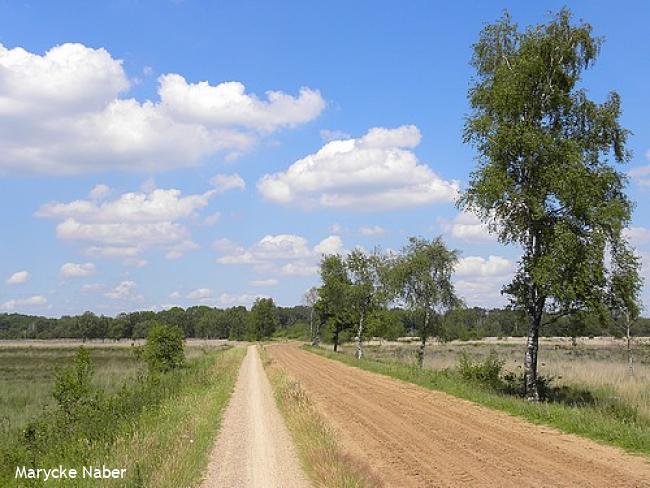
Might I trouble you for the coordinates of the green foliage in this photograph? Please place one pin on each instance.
(164, 350)
(73, 385)
(264, 318)
(92, 424)
(486, 372)
(544, 179)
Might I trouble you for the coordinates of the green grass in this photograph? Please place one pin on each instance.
(160, 429)
(609, 423)
(27, 378)
(320, 454)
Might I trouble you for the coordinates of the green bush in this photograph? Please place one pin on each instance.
(486, 372)
(164, 350)
(73, 385)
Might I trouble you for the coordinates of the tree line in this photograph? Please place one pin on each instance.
(234, 323)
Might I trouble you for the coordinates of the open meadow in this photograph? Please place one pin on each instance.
(28, 368)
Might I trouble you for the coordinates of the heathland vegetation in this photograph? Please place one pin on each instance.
(151, 409)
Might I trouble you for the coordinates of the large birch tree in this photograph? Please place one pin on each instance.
(545, 178)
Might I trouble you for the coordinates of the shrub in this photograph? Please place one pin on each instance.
(486, 372)
(72, 386)
(164, 350)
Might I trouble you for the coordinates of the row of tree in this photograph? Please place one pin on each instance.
(235, 323)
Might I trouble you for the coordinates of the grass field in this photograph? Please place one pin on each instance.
(35, 365)
(160, 431)
(617, 414)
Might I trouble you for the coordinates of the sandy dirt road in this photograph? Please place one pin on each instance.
(254, 448)
(413, 437)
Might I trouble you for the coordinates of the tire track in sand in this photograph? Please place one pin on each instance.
(414, 437)
(254, 448)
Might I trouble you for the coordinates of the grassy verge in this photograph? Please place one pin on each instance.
(609, 423)
(160, 430)
(322, 458)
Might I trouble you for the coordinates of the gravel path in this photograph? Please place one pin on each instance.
(254, 448)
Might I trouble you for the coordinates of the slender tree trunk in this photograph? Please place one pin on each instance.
(336, 338)
(423, 338)
(311, 325)
(530, 359)
(359, 354)
(630, 359)
(315, 341)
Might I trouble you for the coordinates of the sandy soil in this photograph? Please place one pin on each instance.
(254, 448)
(413, 437)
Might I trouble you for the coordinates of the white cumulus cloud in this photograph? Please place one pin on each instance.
(467, 227)
(286, 254)
(23, 302)
(125, 290)
(68, 111)
(18, 278)
(480, 266)
(223, 183)
(129, 224)
(378, 171)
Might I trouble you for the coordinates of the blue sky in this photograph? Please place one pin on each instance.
(163, 153)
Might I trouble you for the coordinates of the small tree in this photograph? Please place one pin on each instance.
(625, 286)
(264, 318)
(310, 298)
(333, 305)
(164, 349)
(365, 290)
(421, 277)
(544, 179)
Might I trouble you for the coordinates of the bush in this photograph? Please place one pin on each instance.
(486, 372)
(164, 350)
(73, 385)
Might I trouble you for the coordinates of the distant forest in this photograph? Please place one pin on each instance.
(238, 323)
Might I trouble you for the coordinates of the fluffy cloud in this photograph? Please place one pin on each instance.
(228, 105)
(269, 248)
(329, 245)
(131, 223)
(18, 278)
(199, 293)
(77, 270)
(288, 254)
(479, 280)
(467, 227)
(372, 230)
(223, 183)
(65, 112)
(479, 266)
(124, 290)
(378, 171)
(23, 302)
